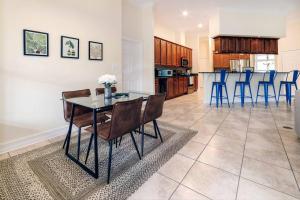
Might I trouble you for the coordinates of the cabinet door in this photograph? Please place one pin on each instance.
(178, 57)
(170, 88)
(156, 86)
(175, 89)
(271, 46)
(174, 55)
(231, 45)
(217, 42)
(243, 45)
(163, 52)
(224, 45)
(190, 58)
(181, 85)
(185, 85)
(257, 45)
(169, 53)
(195, 83)
(157, 51)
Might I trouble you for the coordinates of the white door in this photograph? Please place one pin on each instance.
(132, 64)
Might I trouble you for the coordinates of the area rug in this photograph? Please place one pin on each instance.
(46, 173)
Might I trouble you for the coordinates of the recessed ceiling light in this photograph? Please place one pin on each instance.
(185, 13)
(200, 25)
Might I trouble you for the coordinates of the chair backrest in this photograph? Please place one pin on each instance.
(248, 75)
(101, 90)
(272, 76)
(154, 107)
(223, 75)
(125, 117)
(68, 106)
(296, 74)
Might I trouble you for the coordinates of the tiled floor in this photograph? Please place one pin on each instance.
(238, 153)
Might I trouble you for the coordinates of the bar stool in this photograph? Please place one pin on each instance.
(242, 84)
(266, 84)
(219, 89)
(288, 86)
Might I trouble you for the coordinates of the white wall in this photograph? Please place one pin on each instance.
(31, 86)
(289, 46)
(169, 34)
(248, 23)
(137, 26)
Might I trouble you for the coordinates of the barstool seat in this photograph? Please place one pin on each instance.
(218, 85)
(242, 84)
(266, 84)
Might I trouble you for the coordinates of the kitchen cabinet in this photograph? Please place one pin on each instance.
(178, 51)
(257, 45)
(181, 85)
(156, 86)
(170, 88)
(222, 61)
(189, 57)
(185, 85)
(169, 54)
(163, 52)
(157, 52)
(175, 87)
(271, 46)
(226, 44)
(174, 55)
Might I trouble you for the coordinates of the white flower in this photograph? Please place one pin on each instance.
(107, 79)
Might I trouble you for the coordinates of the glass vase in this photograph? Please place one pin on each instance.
(107, 91)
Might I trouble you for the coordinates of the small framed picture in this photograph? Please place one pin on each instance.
(69, 47)
(95, 50)
(35, 43)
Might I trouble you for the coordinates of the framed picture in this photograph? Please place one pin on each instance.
(95, 50)
(69, 47)
(35, 43)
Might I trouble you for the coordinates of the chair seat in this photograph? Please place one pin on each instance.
(87, 119)
(287, 82)
(102, 130)
(265, 82)
(242, 82)
(219, 83)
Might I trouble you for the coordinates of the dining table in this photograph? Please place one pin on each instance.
(97, 104)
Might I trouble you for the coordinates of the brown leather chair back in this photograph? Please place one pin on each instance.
(68, 106)
(154, 107)
(125, 117)
(101, 90)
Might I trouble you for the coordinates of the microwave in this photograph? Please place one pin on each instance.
(184, 62)
(165, 72)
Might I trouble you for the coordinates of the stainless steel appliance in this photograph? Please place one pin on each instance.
(239, 64)
(184, 62)
(165, 72)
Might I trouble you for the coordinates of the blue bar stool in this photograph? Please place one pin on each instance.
(243, 84)
(219, 89)
(266, 84)
(288, 86)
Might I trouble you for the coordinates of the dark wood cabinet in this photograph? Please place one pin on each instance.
(163, 52)
(189, 57)
(156, 86)
(175, 87)
(271, 46)
(169, 53)
(178, 51)
(243, 45)
(170, 88)
(185, 85)
(222, 61)
(181, 85)
(174, 55)
(226, 44)
(195, 83)
(157, 51)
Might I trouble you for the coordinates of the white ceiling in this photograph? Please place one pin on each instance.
(169, 12)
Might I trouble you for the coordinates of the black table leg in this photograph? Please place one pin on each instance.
(70, 129)
(95, 143)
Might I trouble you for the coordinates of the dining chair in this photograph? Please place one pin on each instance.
(100, 91)
(153, 110)
(288, 85)
(125, 119)
(242, 84)
(266, 83)
(219, 88)
(82, 116)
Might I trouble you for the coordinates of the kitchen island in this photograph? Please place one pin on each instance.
(209, 77)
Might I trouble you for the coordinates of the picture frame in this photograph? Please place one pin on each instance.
(95, 51)
(69, 47)
(35, 43)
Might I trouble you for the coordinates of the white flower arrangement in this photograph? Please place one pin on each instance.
(107, 79)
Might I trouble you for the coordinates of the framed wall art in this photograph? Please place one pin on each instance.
(35, 43)
(69, 47)
(95, 51)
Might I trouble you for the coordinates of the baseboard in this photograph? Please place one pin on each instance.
(33, 139)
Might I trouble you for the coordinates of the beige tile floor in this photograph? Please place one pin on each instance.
(238, 153)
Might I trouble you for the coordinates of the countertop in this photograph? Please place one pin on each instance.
(241, 72)
(176, 76)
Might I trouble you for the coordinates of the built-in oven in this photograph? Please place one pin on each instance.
(165, 72)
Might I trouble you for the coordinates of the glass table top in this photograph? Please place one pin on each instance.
(99, 102)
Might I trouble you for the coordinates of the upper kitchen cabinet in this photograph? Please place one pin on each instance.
(189, 57)
(226, 44)
(257, 45)
(169, 54)
(163, 52)
(271, 46)
(243, 45)
(157, 52)
(178, 56)
(174, 55)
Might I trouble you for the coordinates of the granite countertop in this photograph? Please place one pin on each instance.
(175, 76)
(241, 72)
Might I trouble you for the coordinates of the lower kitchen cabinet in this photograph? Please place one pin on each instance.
(170, 88)
(156, 86)
(175, 86)
(195, 83)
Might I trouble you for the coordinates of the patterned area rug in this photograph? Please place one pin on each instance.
(46, 173)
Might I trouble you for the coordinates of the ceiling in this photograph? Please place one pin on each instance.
(169, 12)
